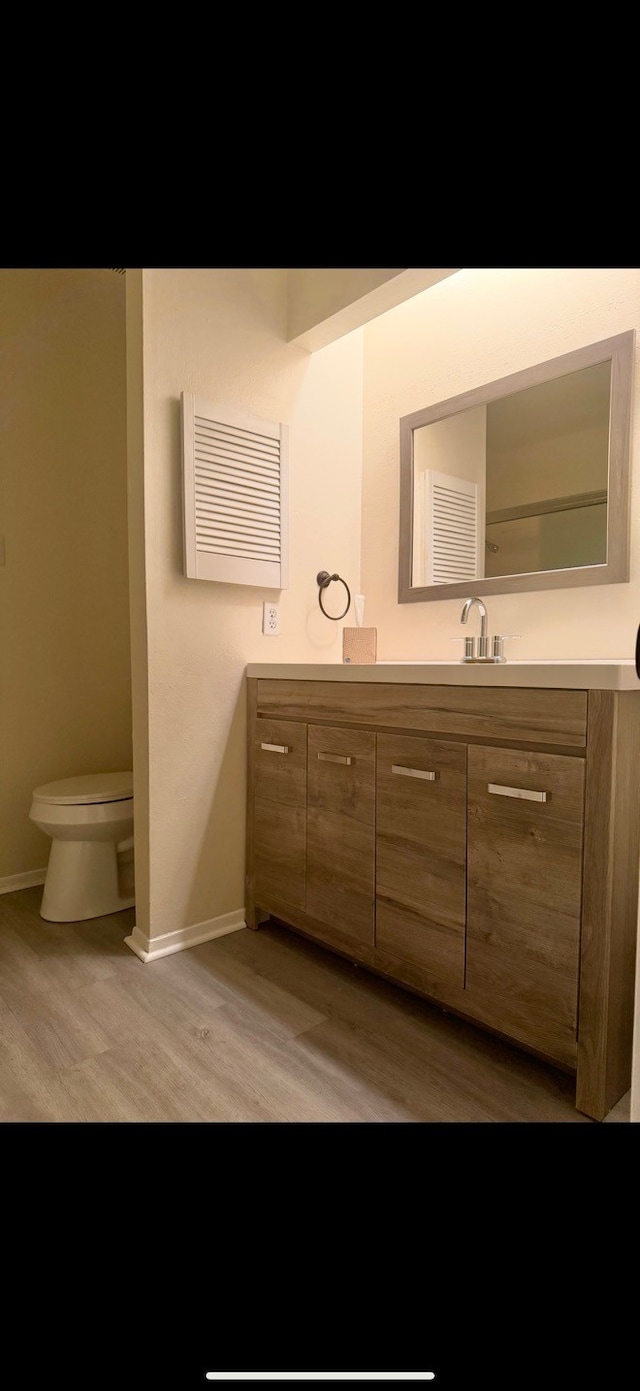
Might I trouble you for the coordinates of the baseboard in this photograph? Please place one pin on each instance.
(185, 936)
(12, 882)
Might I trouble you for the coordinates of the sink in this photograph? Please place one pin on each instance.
(535, 662)
(579, 673)
(573, 673)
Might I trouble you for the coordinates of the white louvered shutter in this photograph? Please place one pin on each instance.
(451, 529)
(235, 475)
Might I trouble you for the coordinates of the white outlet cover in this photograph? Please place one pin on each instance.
(270, 619)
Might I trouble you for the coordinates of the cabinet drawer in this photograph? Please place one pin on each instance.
(280, 753)
(342, 772)
(514, 714)
(420, 853)
(524, 885)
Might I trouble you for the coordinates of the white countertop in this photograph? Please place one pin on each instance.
(610, 674)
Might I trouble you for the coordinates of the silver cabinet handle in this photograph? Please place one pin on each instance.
(276, 748)
(518, 792)
(334, 758)
(413, 772)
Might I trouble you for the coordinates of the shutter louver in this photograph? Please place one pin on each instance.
(235, 495)
(451, 532)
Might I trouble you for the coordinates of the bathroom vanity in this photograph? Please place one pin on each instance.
(469, 832)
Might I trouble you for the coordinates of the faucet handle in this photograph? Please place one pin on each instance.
(497, 653)
(469, 648)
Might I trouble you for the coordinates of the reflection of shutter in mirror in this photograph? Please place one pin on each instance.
(450, 529)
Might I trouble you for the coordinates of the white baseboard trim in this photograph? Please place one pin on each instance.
(12, 882)
(185, 936)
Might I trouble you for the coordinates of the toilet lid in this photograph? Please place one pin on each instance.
(90, 787)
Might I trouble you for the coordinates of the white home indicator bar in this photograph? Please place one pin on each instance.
(320, 1376)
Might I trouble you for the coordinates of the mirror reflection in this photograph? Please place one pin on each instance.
(512, 483)
(515, 486)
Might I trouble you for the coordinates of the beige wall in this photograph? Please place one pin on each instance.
(65, 704)
(222, 334)
(470, 329)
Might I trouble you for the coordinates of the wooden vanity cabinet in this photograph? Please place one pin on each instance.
(479, 845)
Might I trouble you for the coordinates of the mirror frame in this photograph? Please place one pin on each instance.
(620, 351)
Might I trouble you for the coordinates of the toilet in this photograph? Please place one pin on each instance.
(90, 821)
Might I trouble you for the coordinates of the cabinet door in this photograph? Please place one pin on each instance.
(279, 818)
(340, 830)
(421, 841)
(524, 882)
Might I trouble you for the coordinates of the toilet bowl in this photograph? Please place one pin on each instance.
(90, 821)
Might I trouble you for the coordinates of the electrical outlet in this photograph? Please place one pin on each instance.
(270, 620)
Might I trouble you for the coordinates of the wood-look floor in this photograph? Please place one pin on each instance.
(255, 1026)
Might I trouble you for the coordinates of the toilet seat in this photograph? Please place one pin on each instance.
(86, 790)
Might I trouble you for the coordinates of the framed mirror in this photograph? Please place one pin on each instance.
(520, 484)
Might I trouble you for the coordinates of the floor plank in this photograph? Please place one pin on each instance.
(251, 1027)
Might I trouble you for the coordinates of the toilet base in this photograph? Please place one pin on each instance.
(83, 881)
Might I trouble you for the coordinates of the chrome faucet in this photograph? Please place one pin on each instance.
(483, 640)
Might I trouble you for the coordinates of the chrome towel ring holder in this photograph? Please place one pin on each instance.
(324, 579)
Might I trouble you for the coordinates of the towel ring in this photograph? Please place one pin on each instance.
(324, 579)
